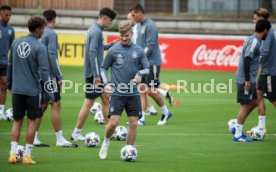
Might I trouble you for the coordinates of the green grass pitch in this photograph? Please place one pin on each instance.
(195, 138)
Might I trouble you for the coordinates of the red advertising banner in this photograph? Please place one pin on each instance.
(200, 53)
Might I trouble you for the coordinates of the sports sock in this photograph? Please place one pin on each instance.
(152, 109)
(238, 128)
(13, 147)
(162, 92)
(29, 148)
(76, 132)
(59, 135)
(2, 109)
(261, 123)
(143, 117)
(164, 110)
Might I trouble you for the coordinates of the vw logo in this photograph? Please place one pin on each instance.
(23, 50)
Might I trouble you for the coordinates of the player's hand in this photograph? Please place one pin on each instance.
(60, 82)
(247, 85)
(97, 80)
(108, 89)
(137, 79)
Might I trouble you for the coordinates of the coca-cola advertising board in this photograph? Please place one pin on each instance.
(214, 53)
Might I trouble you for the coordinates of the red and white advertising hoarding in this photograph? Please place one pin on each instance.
(193, 52)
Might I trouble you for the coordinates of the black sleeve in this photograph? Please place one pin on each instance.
(246, 67)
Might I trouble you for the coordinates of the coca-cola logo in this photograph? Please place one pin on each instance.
(227, 56)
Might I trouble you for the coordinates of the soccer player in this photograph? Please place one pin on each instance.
(148, 40)
(92, 63)
(50, 40)
(259, 14)
(6, 39)
(246, 75)
(27, 64)
(166, 93)
(128, 63)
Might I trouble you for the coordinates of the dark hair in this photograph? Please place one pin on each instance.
(136, 8)
(262, 12)
(5, 7)
(261, 25)
(49, 15)
(35, 22)
(107, 12)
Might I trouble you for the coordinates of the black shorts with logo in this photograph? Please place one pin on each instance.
(45, 97)
(244, 97)
(132, 105)
(269, 87)
(152, 79)
(3, 70)
(92, 91)
(22, 104)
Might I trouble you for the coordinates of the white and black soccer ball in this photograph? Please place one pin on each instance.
(96, 107)
(231, 125)
(9, 114)
(99, 118)
(120, 133)
(128, 153)
(92, 139)
(257, 134)
(20, 151)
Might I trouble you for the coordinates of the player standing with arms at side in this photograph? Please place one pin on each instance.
(246, 77)
(6, 39)
(128, 63)
(259, 14)
(50, 40)
(27, 64)
(93, 59)
(148, 39)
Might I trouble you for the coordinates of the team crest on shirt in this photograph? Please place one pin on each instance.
(134, 54)
(119, 59)
(23, 50)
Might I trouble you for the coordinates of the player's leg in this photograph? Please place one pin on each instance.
(3, 92)
(33, 114)
(115, 110)
(44, 105)
(90, 95)
(247, 104)
(105, 106)
(19, 106)
(82, 116)
(133, 110)
(151, 110)
(153, 82)
(272, 97)
(144, 101)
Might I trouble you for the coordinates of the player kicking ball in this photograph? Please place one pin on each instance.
(128, 63)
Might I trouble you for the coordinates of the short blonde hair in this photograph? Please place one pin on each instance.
(262, 12)
(124, 27)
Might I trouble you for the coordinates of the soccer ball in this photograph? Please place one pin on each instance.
(120, 133)
(9, 114)
(129, 153)
(257, 134)
(99, 118)
(96, 107)
(92, 139)
(231, 125)
(20, 151)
